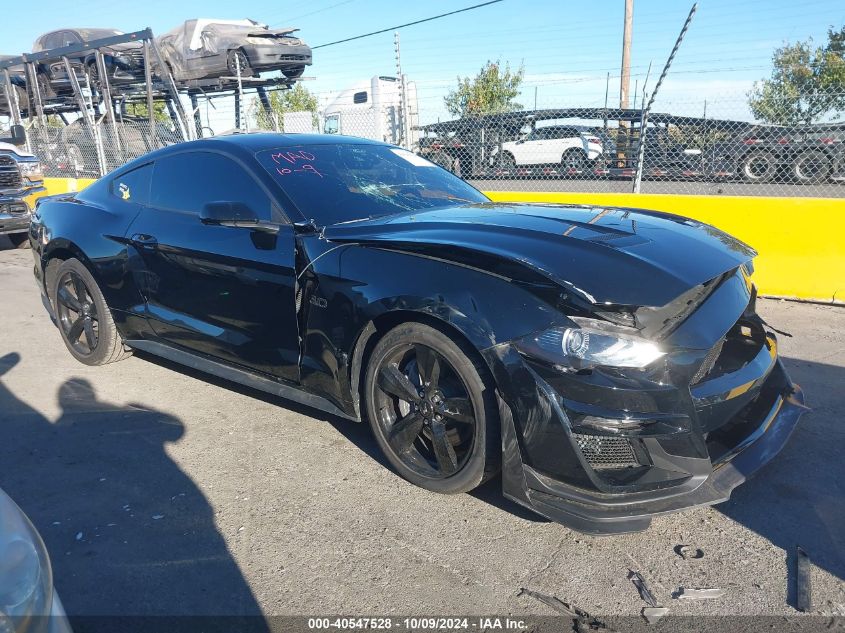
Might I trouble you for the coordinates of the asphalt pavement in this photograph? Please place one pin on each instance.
(161, 492)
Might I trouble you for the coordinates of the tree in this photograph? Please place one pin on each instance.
(139, 109)
(297, 99)
(807, 83)
(491, 91)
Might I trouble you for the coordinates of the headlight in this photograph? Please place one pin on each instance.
(590, 343)
(31, 169)
(26, 583)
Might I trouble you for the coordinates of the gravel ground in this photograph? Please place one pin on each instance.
(160, 492)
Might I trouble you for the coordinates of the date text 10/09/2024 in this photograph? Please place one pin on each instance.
(417, 623)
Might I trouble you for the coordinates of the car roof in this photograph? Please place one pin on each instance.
(268, 140)
(248, 144)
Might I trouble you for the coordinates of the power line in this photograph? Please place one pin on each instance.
(393, 28)
(305, 15)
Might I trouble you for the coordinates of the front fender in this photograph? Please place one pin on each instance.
(353, 291)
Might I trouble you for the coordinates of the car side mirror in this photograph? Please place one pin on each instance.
(18, 137)
(235, 215)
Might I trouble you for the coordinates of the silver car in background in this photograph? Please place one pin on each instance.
(28, 600)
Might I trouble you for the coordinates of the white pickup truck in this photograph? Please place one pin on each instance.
(20, 176)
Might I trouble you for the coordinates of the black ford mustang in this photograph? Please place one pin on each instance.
(608, 361)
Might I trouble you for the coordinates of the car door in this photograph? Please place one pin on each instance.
(560, 140)
(226, 292)
(530, 151)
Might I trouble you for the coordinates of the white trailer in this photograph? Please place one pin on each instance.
(375, 109)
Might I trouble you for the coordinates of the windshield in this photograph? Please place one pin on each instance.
(341, 182)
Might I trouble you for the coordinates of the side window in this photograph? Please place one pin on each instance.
(360, 97)
(133, 186)
(69, 37)
(187, 181)
(51, 40)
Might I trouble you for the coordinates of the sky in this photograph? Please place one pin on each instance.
(567, 48)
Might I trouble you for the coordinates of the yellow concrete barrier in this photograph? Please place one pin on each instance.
(800, 241)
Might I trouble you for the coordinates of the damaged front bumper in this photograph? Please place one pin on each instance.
(679, 447)
(271, 56)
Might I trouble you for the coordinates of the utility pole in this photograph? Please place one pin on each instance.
(404, 131)
(625, 80)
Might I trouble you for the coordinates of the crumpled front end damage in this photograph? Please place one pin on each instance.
(697, 423)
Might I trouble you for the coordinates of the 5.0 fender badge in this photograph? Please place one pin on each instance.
(318, 301)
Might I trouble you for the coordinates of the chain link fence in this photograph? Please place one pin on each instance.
(689, 146)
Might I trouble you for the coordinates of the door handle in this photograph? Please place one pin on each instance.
(144, 241)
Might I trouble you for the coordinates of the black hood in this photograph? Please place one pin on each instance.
(606, 255)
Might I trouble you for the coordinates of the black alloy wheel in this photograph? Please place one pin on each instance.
(430, 411)
(237, 60)
(77, 314)
(82, 315)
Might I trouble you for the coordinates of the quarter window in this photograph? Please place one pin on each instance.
(133, 186)
(187, 181)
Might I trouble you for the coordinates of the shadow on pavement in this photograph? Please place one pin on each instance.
(799, 498)
(357, 433)
(99, 486)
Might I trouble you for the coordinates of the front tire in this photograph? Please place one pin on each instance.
(238, 59)
(82, 314)
(433, 414)
(508, 161)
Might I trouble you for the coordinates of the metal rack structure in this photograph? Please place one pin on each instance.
(101, 105)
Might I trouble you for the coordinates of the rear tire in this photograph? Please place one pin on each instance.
(19, 240)
(811, 167)
(573, 159)
(758, 167)
(432, 412)
(82, 314)
(441, 158)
